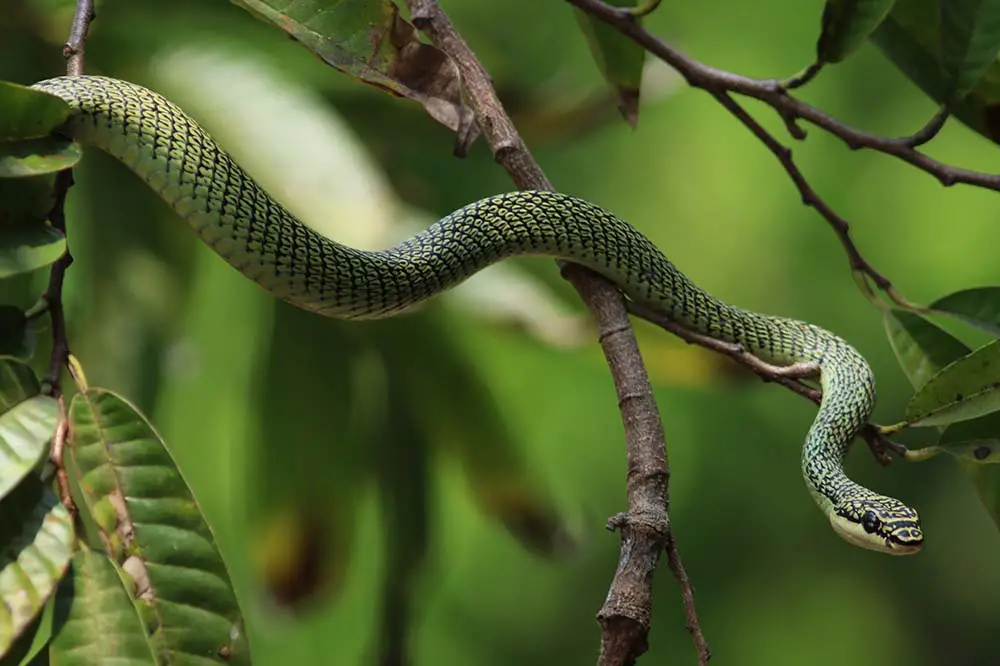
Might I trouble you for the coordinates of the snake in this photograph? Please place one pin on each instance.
(232, 214)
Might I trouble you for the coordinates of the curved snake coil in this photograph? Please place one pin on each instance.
(261, 239)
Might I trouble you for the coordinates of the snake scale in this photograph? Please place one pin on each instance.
(254, 233)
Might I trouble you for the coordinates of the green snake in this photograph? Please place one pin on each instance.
(232, 214)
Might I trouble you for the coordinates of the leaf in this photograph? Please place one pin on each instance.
(17, 338)
(96, 620)
(963, 390)
(370, 41)
(153, 529)
(25, 431)
(26, 113)
(37, 545)
(910, 37)
(620, 59)
(922, 347)
(35, 157)
(977, 441)
(970, 41)
(17, 383)
(979, 306)
(28, 247)
(846, 24)
(26, 200)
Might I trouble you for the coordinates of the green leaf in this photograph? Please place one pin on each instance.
(370, 41)
(28, 247)
(26, 113)
(37, 544)
(26, 200)
(977, 441)
(17, 338)
(911, 38)
(921, 346)
(979, 306)
(970, 41)
(153, 528)
(966, 389)
(96, 620)
(35, 157)
(25, 432)
(846, 24)
(17, 383)
(620, 59)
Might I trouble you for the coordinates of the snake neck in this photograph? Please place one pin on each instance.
(848, 400)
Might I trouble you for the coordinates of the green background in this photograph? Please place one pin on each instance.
(156, 316)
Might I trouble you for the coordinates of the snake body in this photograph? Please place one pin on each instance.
(256, 235)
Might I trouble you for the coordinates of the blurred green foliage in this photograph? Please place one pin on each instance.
(221, 369)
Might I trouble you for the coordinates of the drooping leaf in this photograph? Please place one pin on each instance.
(977, 440)
(28, 247)
(96, 620)
(911, 38)
(17, 383)
(369, 40)
(922, 347)
(154, 530)
(35, 157)
(620, 59)
(25, 431)
(459, 409)
(970, 41)
(966, 389)
(25, 201)
(979, 306)
(37, 542)
(846, 24)
(26, 113)
(17, 338)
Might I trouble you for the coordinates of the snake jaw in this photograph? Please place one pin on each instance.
(891, 528)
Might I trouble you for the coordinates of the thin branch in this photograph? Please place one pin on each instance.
(645, 529)
(51, 301)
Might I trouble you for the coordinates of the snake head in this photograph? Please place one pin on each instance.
(878, 523)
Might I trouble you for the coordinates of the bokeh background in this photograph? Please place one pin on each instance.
(265, 408)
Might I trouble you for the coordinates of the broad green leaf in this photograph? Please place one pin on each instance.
(35, 157)
(911, 38)
(970, 41)
(306, 497)
(96, 620)
(979, 306)
(29, 114)
(154, 530)
(24, 201)
(17, 383)
(370, 41)
(17, 338)
(458, 408)
(620, 59)
(25, 432)
(28, 247)
(977, 440)
(922, 347)
(846, 24)
(963, 390)
(36, 549)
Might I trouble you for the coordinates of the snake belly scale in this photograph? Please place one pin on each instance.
(255, 234)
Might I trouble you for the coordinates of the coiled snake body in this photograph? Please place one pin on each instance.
(261, 239)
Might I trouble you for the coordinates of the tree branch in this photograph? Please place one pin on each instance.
(645, 529)
(59, 357)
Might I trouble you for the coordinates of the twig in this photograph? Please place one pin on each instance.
(52, 298)
(791, 109)
(624, 618)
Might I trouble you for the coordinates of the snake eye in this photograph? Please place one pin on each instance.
(870, 522)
